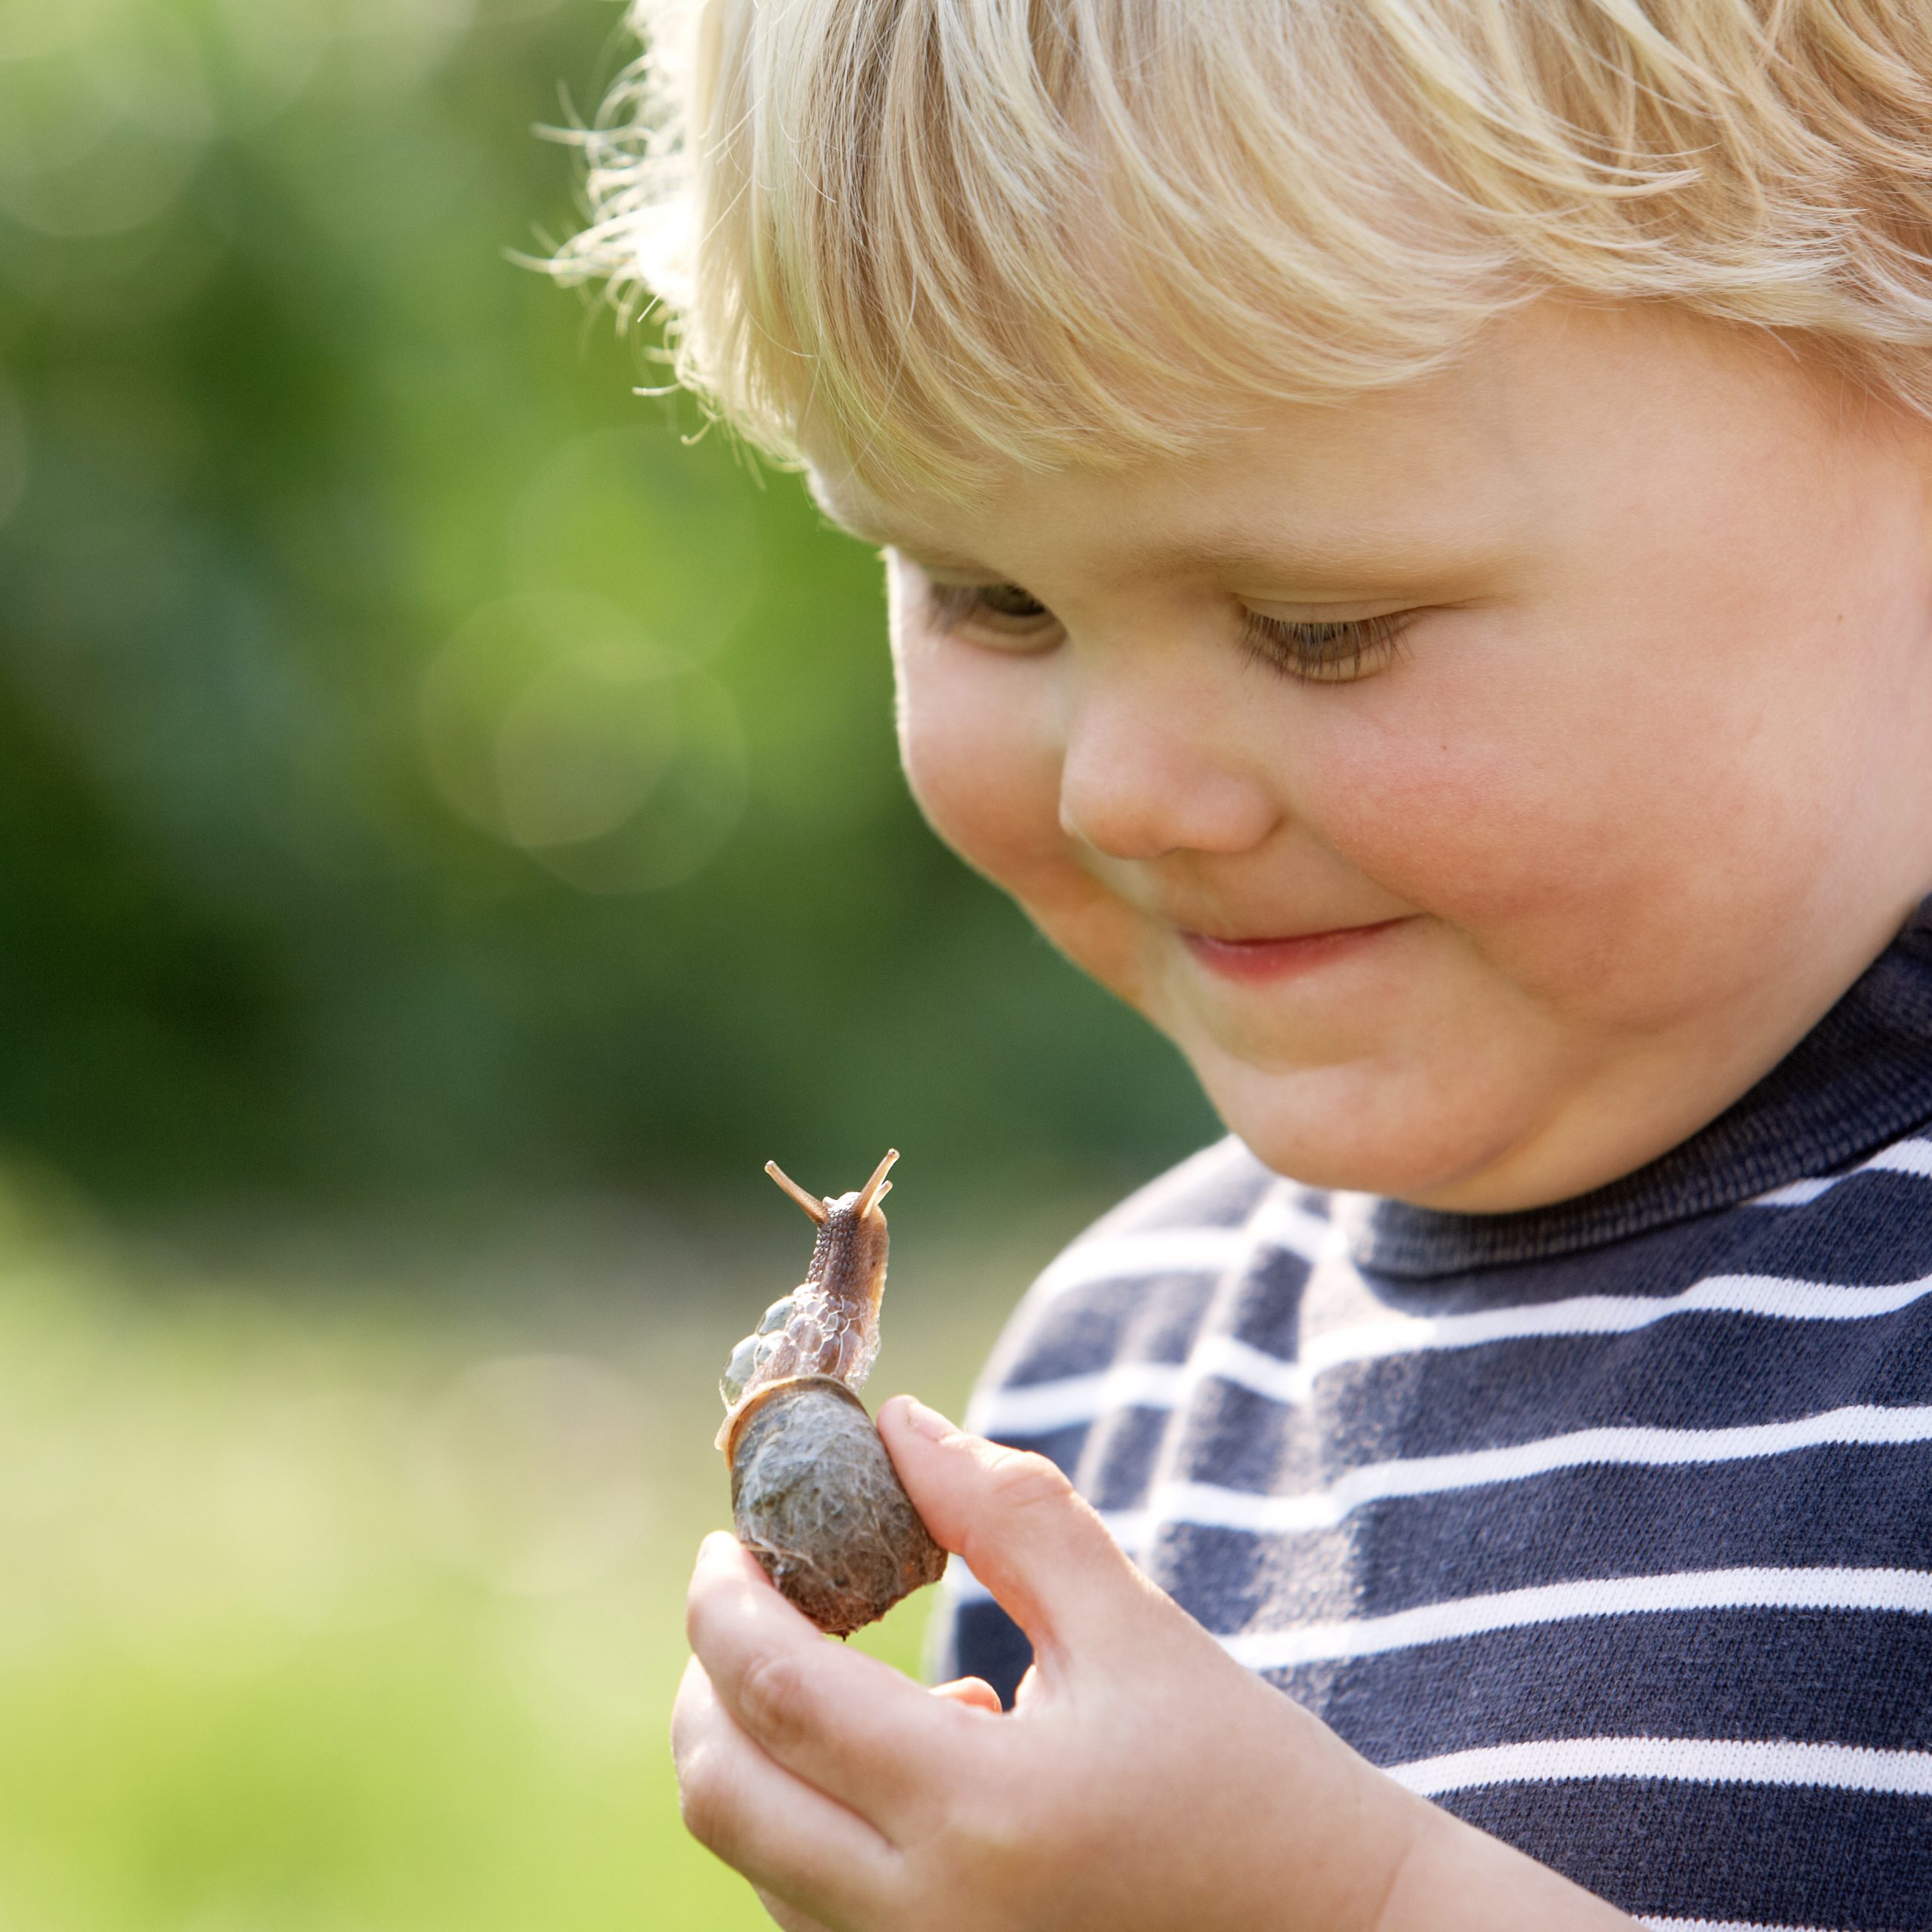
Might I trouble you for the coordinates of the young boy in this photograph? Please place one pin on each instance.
(1410, 526)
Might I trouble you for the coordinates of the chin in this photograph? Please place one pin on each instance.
(1347, 1168)
(1332, 1128)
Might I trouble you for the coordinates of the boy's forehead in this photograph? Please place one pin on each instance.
(1387, 466)
(1556, 413)
(1301, 489)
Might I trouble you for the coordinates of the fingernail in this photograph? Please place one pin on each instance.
(923, 1421)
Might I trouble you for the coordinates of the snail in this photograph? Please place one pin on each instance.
(814, 1496)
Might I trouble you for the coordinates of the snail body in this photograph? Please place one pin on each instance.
(814, 1496)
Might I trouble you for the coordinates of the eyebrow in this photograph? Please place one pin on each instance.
(1251, 552)
(882, 537)
(1235, 556)
(925, 555)
(1256, 555)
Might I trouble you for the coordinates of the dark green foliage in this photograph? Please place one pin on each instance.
(419, 765)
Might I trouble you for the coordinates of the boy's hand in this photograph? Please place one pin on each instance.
(1145, 1780)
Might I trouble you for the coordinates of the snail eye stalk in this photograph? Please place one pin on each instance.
(879, 1187)
(810, 1203)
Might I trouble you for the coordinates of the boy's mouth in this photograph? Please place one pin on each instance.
(1251, 961)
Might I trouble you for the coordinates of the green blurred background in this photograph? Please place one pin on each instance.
(449, 838)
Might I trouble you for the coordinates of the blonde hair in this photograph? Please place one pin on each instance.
(937, 232)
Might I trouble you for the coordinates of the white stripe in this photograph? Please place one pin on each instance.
(1277, 1221)
(1040, 1408)
(1680, 1760)
(1721, 1925)
(1794, 1194)
(1747, 1588)
(1044, 1407)
(1208, 1504)
(1068, 1400)
(1773, 1296)
(1903, 1156)
(1134, 1257)
(1282, 1222)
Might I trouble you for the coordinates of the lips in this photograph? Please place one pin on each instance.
(1256, 962)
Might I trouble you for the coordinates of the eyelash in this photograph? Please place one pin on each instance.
(954, 604)
(1330, 654)
(1334, 653)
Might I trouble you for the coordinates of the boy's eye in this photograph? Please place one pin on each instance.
(1333, 652)
(1007, 600)
(1005, 611)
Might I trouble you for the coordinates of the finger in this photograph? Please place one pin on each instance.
(852, 1726)
(1040, 1548)
(789, 1840)
(974, 1692)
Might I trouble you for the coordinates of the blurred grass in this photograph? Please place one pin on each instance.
(340, 1585)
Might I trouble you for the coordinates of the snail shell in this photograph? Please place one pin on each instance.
(814, 1496)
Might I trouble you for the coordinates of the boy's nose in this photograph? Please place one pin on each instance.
(1142, 776)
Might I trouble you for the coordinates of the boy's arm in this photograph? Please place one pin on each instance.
(1146, 1782)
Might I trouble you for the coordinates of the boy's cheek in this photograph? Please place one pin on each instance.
(981, 766)
(993, 794)
(1609, 860)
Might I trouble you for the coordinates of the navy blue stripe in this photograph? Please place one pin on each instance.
(1870, 1229)
(1852, 1507)
(1507, 1394)
(1154, 1318)
(1699, 1371)
(1119, 1456)
(1770, 1854)
(1714, 1370)
(1805, 1676)
(983, 1641)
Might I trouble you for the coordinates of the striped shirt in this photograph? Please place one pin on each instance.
(1608, 1525)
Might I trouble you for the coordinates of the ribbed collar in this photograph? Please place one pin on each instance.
(1862, 1077)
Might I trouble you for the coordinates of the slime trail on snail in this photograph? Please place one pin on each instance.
(814, 1496)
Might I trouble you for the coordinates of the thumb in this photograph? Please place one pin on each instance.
(1040, 1548)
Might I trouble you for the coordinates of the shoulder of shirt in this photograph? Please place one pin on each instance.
(1870, 1221)
(1218, 1187)
(1192, 1223)
(1909, 1156)
(1167, 1242)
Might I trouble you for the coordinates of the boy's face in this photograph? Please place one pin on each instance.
(1483, 783)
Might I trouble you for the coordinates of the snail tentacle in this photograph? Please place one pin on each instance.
(810, 1203)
